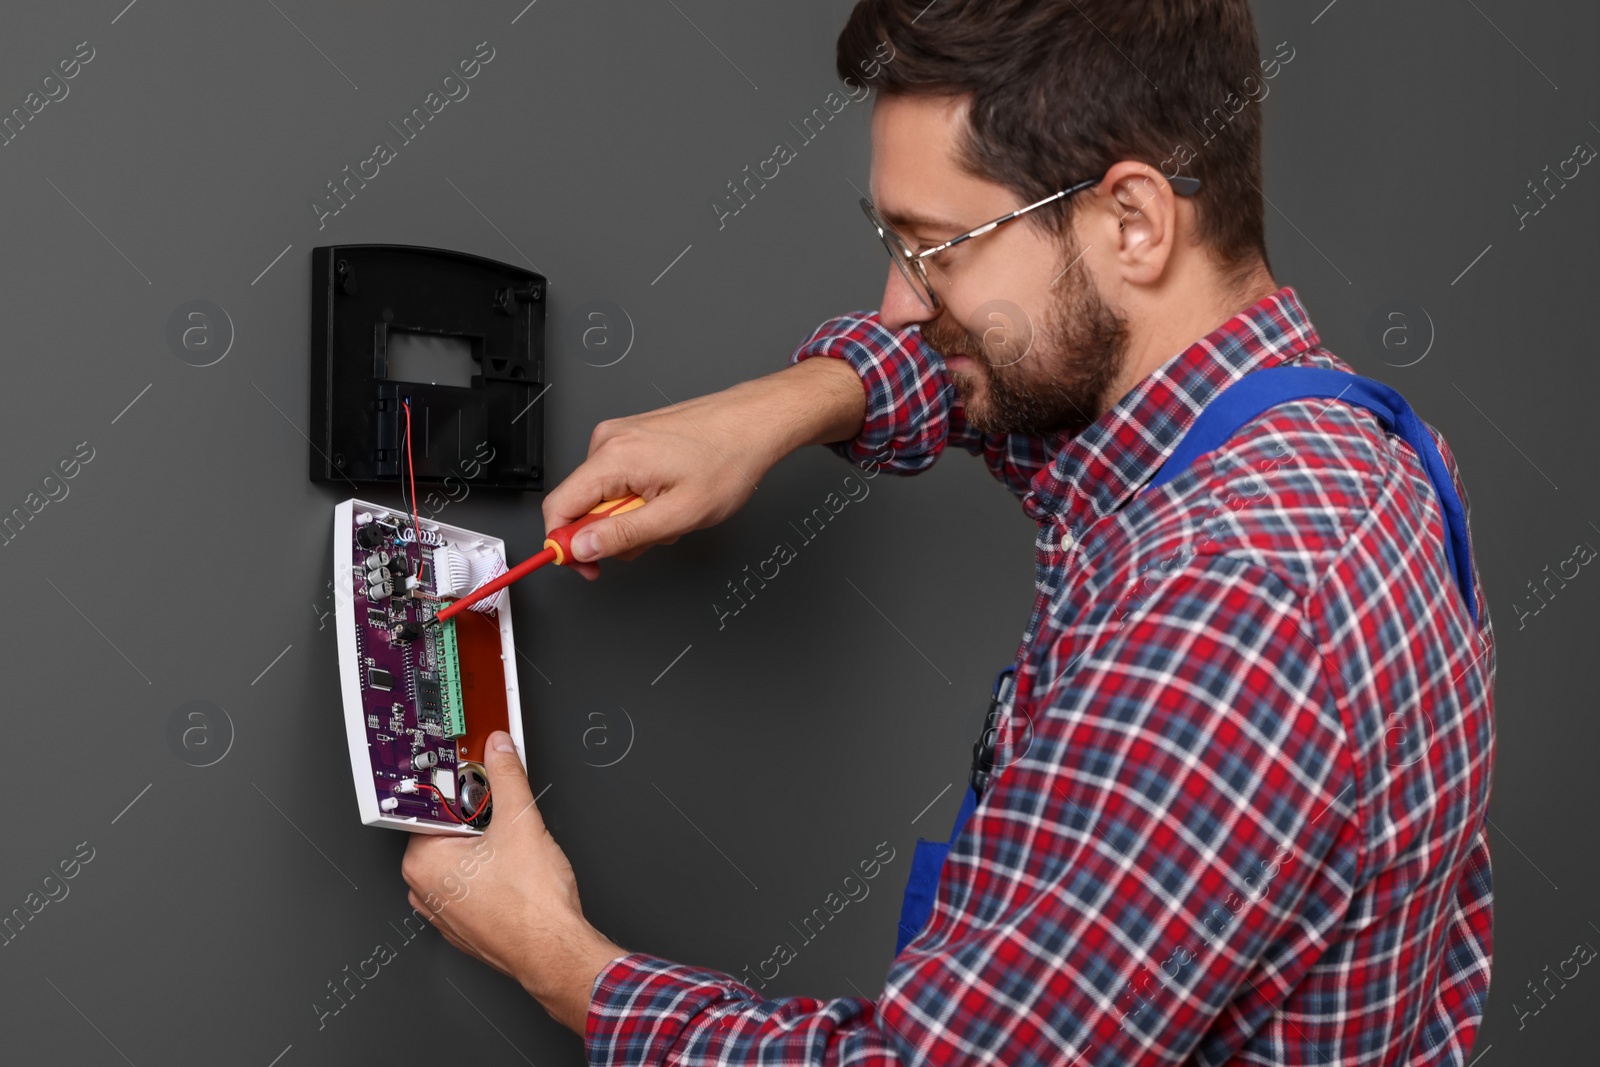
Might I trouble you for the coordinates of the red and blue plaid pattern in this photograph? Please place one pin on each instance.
(1241, 815)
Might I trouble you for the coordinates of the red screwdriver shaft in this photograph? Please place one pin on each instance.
(557, 549)
(494, 585)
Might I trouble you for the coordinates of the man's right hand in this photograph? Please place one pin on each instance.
(697, 462)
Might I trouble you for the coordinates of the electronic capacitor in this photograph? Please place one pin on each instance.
(405, 631)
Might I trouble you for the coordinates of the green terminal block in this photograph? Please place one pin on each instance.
(449, 664)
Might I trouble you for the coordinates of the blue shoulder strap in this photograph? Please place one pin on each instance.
(1251, 396)
(927, 862)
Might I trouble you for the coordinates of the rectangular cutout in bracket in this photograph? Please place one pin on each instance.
(429, 358)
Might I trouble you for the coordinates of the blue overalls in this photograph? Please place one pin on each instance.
(1240, 404)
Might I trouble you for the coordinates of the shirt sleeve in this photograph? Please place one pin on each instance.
(647, 1010)
(1163, 856)
(913, 409)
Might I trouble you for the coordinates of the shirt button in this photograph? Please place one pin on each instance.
(1067, 540)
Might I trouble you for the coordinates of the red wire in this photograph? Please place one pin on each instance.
(411, 470)
(446, 804)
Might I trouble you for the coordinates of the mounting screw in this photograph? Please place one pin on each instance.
(338, 459)
(502, 301)
(531, 294)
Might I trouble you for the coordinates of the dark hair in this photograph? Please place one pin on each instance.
(1062, 89)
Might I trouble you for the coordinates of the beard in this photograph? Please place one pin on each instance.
(1038, 379)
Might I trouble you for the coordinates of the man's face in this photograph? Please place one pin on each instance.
(1029, 342)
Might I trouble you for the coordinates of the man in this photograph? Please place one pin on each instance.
(1247, 825)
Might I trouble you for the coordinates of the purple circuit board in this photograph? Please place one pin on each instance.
(405, 674)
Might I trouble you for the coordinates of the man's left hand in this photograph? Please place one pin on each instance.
(510, 898)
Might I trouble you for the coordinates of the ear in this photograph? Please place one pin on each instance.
(1142, 220)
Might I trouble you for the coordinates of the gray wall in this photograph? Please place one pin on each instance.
(190, 559)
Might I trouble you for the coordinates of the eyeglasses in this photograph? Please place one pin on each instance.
(911, 263)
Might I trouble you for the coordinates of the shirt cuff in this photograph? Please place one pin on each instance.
(640, 1004)
(908, 393)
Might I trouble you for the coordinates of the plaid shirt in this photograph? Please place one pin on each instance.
(1241, 812)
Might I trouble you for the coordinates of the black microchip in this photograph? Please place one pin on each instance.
(428, 705)
(378, 678)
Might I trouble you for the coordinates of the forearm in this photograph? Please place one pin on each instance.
(562, 981)
(698, 460)
(813, 402)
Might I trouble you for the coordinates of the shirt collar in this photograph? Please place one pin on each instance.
(1102, 467)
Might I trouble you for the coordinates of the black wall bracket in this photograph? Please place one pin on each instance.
(458, 336)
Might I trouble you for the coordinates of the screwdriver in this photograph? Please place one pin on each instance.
(557, 549)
